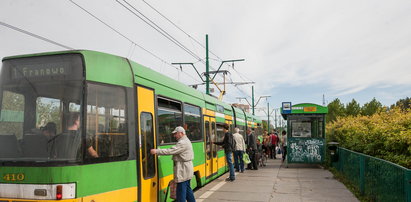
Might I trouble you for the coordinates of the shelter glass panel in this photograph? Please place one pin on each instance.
(306, 126)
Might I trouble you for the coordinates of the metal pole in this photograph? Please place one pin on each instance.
(268, 117)
(207, 69)
(252, 99)
(275, 118)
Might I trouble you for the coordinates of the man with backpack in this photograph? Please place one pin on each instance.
(229, 146)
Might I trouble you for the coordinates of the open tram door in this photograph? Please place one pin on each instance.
(305, 132)
(148, 187)
(231, 130)
(211, 149)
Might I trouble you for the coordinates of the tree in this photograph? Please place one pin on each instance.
(371, 107)
(352, 108)
(404, 104)
(335, 109)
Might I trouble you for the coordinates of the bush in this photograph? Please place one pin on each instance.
(385, 135)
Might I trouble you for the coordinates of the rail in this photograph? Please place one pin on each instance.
(376, 179)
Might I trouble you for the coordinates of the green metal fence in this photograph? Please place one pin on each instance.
(377, 179)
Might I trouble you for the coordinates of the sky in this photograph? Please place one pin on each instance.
(296, 51)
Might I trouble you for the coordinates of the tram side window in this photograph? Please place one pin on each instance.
(242, 131)
(208, 139)
(11, 123)
(220, 135)
(107, 120)
(213, 138)
(192, 122)
(169, 117)
(12, 114)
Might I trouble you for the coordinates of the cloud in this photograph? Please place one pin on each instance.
(346, 46)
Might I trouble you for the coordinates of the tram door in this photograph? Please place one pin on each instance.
(214, 146)
(230, 123)
(211, 153)
(147, 141)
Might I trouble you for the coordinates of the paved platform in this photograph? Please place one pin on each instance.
(275, 182)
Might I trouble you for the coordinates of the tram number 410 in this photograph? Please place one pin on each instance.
(13, 177)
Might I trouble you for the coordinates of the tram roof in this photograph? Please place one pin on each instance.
(112, 69)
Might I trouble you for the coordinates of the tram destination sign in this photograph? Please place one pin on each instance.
(40, 70)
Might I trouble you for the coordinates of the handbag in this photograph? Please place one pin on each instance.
(173, 189)
(246, 158)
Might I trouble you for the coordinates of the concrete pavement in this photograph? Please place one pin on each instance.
(298, 182)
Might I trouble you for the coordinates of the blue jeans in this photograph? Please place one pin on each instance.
(184, 192)
(238, 160)
(230, 165)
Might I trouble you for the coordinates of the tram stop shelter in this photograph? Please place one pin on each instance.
(305, 132)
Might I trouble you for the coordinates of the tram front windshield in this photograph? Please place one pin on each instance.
(39, 97)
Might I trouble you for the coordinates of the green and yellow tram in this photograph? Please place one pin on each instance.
(124, 109)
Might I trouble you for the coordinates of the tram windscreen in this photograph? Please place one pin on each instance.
(38, 95)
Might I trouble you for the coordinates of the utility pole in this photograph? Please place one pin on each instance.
(252, 99)
(207, 69)
(207, 73)
(268, 117)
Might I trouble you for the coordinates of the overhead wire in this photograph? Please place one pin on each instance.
(241, 76)
(162, 15)
(127, 38)
(118, 32)
(152, 7)
(153, 25)
(35, 35)
(244, 78)
(161, 31)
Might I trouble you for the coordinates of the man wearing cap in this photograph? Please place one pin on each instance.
(183, 156)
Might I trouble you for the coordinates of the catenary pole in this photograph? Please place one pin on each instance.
(268, 118)
(207, 69)
(252, 99)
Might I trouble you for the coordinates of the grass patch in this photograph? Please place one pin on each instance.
(350, 186)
